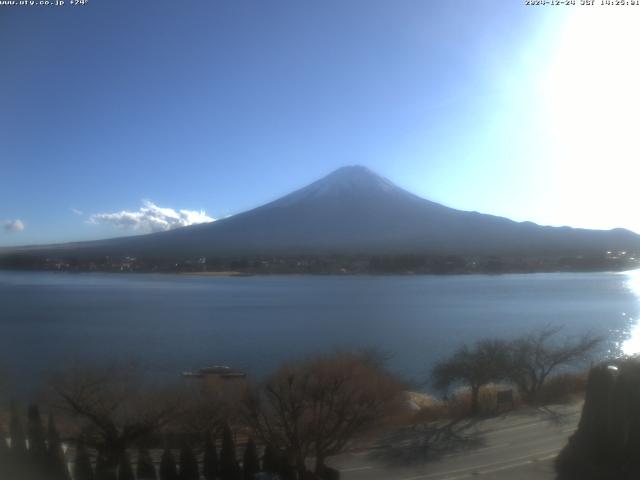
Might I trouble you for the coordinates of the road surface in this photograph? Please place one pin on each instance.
(519, 445)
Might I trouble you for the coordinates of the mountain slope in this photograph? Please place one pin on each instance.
(353, 210)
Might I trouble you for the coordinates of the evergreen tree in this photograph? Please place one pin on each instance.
(210, 465)
(168, 469)
(18, 444)
(4, 446)
(82, 464)
(287, 471)
(5, 457)
(56, 459)
(103, 470)
(125, 472)
(101, 467)
(237, 472)
(37, 445)
(270, 460)
(228, 464)
(19, 462)
(145, 470)
(250, 462)
(188, 464)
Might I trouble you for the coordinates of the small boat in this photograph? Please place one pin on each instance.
(220, 371)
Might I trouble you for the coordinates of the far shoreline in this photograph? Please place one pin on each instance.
(239, 274)
(228, 273)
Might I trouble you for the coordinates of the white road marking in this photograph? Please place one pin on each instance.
(548, 457)
(356, 469)
(516, 444)
(467, 453)
(522, 425)
(506, 467)
(359, 454)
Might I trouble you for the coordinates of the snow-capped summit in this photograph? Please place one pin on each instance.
(354, 177)
(354, 180)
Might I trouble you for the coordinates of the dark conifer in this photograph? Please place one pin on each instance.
(82, 464)
(210, 465)
(125, 472)
(228, 463)
(145, 470)
(168, 469)
(287, 472)
(35, 433)
(188, 464)
(270, 460)
(250, 462)
(4, 446)
(19, 462)
(101, 465)
(237, 472)
(104, 469)
(5, 457)
(18, 444)
(56, 459)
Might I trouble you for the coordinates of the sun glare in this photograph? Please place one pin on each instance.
(591, 100)
(631, 346)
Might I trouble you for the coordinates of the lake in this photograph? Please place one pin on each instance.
(173, 323)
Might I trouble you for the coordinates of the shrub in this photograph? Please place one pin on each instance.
(562, 388)
(459, 404)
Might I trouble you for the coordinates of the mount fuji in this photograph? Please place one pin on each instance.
(354, 211)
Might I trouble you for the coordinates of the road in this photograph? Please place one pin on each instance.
(518, 445)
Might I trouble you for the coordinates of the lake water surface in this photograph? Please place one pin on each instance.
(172, 323)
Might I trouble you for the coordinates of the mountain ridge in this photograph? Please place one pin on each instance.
(353, 210)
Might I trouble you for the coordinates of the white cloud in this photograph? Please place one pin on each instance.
(77, 212)
(151, 218)
(11, 226)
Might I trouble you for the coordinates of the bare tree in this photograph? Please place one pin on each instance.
(317, 407)
(475, 366)
(210, 404)
(535, 356)
(113, 407)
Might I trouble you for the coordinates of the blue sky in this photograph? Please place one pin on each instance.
(214, 107)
